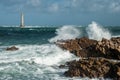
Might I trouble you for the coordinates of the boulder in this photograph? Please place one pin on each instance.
(62, 66)
(13, 48)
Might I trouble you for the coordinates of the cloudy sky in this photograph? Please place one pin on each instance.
(60, 12)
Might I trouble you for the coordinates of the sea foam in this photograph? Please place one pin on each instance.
(46, 54)
(37, 60)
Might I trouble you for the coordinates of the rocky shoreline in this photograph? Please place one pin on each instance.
(97, 58)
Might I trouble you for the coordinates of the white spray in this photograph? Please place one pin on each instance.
(97, 32)
(66, 32)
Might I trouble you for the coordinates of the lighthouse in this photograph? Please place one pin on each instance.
(22, 21)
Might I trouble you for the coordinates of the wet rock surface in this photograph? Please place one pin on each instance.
(109, 48)
(94, 68)
(79, 47)
(85, 47)
(98, 58)
(13, 48)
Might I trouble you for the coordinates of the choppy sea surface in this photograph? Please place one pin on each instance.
(38, 57)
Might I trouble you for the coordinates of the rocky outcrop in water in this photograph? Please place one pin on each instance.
(94, 68)
(13, 48)
(97, 57)
(85, 47)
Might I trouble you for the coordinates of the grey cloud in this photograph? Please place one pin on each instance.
(96, 5)
(63, 5)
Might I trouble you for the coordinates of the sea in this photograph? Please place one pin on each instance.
(38, 57)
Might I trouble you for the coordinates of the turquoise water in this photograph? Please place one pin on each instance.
(38, 57)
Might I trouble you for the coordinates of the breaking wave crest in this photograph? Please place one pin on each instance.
(97, 32)
(66, 32)
(93, 31)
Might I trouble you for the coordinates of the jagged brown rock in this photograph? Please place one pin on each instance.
(94, 68)
(85, 47)
(109, 48)
(80, 47)
(102, 53)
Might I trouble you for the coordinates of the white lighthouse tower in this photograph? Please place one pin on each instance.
(22, 21)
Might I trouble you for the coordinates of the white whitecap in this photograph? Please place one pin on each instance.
(66, 32)
(97, 32)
